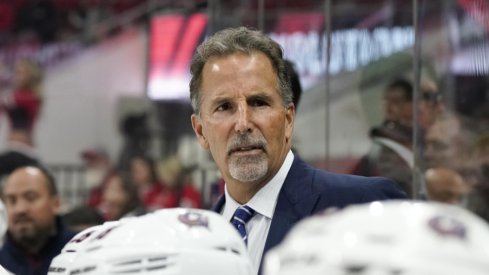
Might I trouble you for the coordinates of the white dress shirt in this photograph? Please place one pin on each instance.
(263, 202)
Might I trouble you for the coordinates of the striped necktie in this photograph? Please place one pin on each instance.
(241, 216)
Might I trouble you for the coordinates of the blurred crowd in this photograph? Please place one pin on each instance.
(45, 21)
(38, 226)
(451, 149)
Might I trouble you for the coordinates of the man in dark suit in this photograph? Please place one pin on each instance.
(244, 114)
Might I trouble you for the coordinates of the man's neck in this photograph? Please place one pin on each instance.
(242, 192)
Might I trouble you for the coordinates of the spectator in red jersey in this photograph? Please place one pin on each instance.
(120, 199)
(143, 175)
(179, 189)
(21, 104)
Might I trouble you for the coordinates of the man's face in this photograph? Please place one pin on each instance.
(430, 105)
(243, 120)
(442, 147)
(115, 199)
(397, 107)
(31, 209)
(429, 109)
(140, 172)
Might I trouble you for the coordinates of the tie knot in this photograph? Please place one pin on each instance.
(243, 214)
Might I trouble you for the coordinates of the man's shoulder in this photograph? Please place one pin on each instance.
(9, 254)
(330, 179)
(64, 233)
(351, 186)
(326, 179)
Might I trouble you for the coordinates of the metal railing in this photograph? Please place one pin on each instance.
(73, 190)
(70, 183)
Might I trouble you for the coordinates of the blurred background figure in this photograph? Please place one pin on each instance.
(447, 142)
(37, 20)
(85, 17)
(143, 176)
(450, 173)
(396, 237)
(98, 170)
(178, 187)
(446, 185)
(120, 198)
(431, 104)
(479, 197)
(391, 154)
(136, 136)
(36, 234)
(22, 105)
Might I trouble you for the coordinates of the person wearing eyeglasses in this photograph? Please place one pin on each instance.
(391, 154)
(430, 105)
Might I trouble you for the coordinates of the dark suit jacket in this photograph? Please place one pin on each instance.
(307, 190)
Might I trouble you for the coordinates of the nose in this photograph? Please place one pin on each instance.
(19, 207)
(243, 123)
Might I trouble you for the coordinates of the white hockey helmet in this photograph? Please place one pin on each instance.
(166, 242)
(62, 263)
(388, 238)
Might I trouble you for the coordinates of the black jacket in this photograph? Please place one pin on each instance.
(16, 260)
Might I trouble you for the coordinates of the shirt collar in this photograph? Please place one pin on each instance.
(265, 199)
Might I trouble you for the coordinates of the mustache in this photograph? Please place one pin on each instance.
(246, 140)
(22, 218)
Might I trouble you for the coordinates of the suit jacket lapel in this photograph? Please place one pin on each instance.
(219, 204)
(296, 200)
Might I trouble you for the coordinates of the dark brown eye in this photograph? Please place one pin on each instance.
(258, 103)
(223, 107)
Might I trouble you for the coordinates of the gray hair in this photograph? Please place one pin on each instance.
(232, 40)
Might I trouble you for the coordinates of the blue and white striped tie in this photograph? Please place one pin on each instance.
(241, 216)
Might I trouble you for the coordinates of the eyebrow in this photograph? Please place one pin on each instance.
(261, 96)
(223, 99)
(218, 101)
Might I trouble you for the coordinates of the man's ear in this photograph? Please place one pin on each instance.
(289, 121)
(197, 126)
(56, 204)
